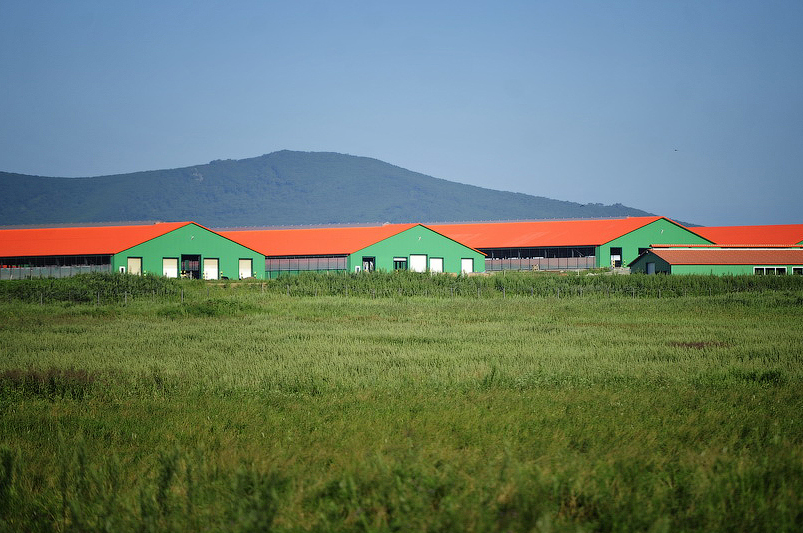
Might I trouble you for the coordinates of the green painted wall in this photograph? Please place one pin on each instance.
(721, 270)
(192, 240)
(418, 240)
(662, 231)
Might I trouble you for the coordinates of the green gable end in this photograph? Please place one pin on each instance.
(192, 251)
(661, 231)
(422, 249)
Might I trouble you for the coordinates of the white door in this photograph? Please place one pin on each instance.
(211, 269)
(467, 265)
(436, 264)
(418, 263)
(170, 267)
(135, 266)
(245, 268)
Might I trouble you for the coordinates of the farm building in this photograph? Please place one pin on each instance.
(567, 244)
(719, 260)
(169, 249)
(349, 249)
(780, 234)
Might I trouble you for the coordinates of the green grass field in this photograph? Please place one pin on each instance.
(403, 404)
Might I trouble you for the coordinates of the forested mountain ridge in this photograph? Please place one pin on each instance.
(281, 188)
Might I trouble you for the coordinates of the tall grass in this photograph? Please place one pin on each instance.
(242, 408)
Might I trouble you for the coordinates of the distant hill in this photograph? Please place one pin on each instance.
(282, 188)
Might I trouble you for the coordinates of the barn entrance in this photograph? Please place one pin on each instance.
(191, 266)
(616, 257)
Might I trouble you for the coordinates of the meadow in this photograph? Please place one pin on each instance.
(402, 402)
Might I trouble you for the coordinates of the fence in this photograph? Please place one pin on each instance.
(544, 263)
(9, 273)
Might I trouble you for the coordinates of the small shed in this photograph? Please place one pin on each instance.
(388, 247)
(765, 260)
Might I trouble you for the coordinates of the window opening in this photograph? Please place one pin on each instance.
(245, 269)
(170, 267)
(211, 268)
(418, 263)
(135, 266)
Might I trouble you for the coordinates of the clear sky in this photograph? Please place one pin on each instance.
(688, 109)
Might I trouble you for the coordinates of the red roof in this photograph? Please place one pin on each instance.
(96, 240)
(731, 256)
(314, 241)
(542, 233)
(786, 234)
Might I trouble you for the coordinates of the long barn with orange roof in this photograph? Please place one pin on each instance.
(387, 247)
(568, 244)
(171, 249)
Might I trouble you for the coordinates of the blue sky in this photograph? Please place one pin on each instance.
(688, 109)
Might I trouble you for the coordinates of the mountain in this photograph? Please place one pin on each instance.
(281, 188)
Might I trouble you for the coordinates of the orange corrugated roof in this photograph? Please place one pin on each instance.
(786, 234)
(725, 246)
(542, 233)
(730, 256)
(101, 240)
(314, 241)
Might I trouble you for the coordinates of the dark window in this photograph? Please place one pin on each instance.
(399, 263)
(616, 257)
